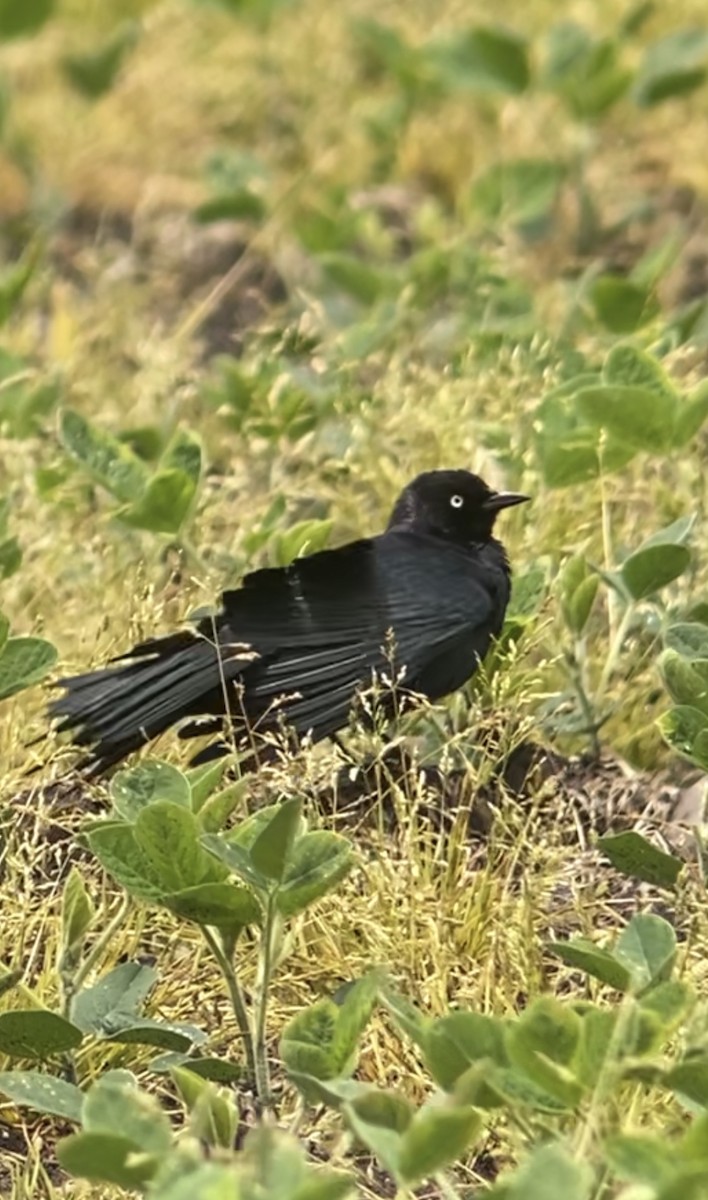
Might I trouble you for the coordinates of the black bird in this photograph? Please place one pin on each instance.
(417, 605)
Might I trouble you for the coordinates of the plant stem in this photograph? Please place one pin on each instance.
(608, 555)
(261, 1056)
(613, 653)
(238, 1002)
(71, 983)
(576, 663)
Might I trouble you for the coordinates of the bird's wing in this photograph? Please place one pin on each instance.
(322, 626)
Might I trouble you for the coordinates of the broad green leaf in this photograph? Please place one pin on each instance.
(317, 863)
(24, 661)
(585, 71)
(94, 72)
(518, 1089)
(578, 588)
(106, 1158)
(306, 1043)
(586, 956)
(325, 1183)
(218, 1070)
(10, 557)
(454, 1042)
(379, 1118)
(597, 1031)
(638, 415)
(77, 912)
(236, 857)
(549, 1172)
(242, 204)
(184, 453)
(116, 1102)
(686, 680)
(14, 279)
(215, 812)
(686, 729)
(4, 631)
(164, 504)
(122, 991)
(271, 851)
(690, 1078)
(542, 1043)
(678, 533)
(175, 1036)
(135, 787)
(36, 1033)
(672, 66)
(628, 366)
(305, 537)
(647, 947)
(357, 278)
(167, 835)
(436, 1138)
(114, 844)
(18, 20)
(669, 1003)
(641, 1158)
(203, 780)
(691, 415)
(354, 1013)
(106, 459)
(523, 191)
(632, 854)
(484, 58)
(408, 1018)
(620, 305)
(224, 905)
(213, 1114)
(652, 568)
(44, 1093)
(689, 639)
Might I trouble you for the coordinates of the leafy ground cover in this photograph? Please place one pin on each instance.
(262, 263)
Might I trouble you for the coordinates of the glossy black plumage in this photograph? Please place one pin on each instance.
(419, 603)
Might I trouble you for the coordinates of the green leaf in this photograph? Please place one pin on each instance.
(585, 71)
(378, 1118)
(36, 1033)
(653, 567)
(435, 1138)
(629, 366)
(686, 730)
(175, 1036)
(306, 1043)
(685, 680)
(358, 279)
(24, 661)
(304, 537)
(632, 854)
(523, 191)
(454, 1042)
(318, 862)
(136, 787)
(690, 1079)
(586, 956)
(77, 912)
(43, 1093)
(10, 557)
(95, 72)
(203, 780)
(691, 415)
(116, 1102)
(224, 905)
(689, 639)
(620, 305)
(672, 66)
(668, 1002)
(242, 204)
(106, 1158)
(106, 459)
(549, 1172)
(114, 844)
(164, 504)
(236, 858)
(597, 1032)
(18, 20)
(167, 835)
(578, 588)
(215, 812)
(641, 1158)
(639, 415)
(543, 1043)
(272, 848)
(213, 1114)
(647, 947)
(14, 279)
(120, 993)
(184, 453)
(353, 1016)
(484, 58)
(4, 631)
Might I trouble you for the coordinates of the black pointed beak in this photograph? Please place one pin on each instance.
(499, 500)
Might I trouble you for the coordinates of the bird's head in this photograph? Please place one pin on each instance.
(455, 505)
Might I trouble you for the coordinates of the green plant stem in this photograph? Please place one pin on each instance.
(261, 1056)
(577, 675)
(447, 1189)
(236, 996)
(71, 983)
(613, 654)
(606, 1080)
(608, 554)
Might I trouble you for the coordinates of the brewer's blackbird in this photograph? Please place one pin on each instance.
(415, 606)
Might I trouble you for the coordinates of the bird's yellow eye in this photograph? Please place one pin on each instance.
(456, 501)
